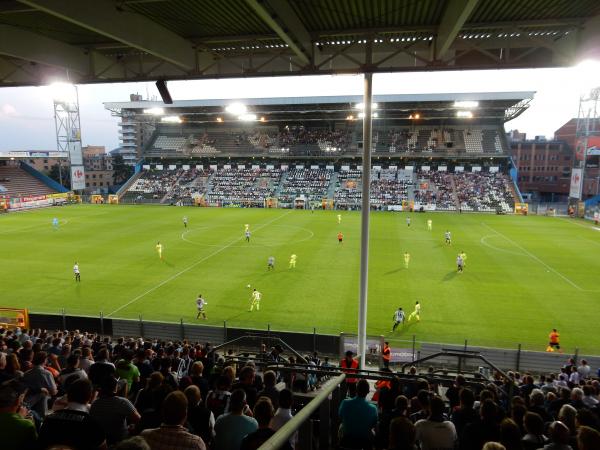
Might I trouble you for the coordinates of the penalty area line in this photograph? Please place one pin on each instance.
(531, 255)
(190, 267)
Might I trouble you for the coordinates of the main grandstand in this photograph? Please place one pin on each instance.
(430, 152)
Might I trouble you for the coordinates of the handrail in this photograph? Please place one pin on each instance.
(285, 432)
(259, 336)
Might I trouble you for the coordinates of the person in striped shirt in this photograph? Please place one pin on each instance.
(398, 318)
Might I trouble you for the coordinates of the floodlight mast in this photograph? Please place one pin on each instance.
(587, 125)
(68, 130)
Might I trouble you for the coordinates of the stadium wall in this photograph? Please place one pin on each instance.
(506, 359)
(43, 178)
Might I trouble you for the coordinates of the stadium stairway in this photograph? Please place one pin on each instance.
(332, 185)
(454, 195)
(280, 184)
(125, 187)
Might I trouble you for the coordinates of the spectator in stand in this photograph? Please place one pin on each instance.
(18, 430)
(590, 399)
(534, 428)
(73, 426)
(151, 416)
(453, 392)
(218, 400)
(171, 434)
(537, 404)
(72, 370)
(113, 413)
(435, 432)
(359, 418)
(200, 419)
(246, 383)
(86, 360)
(422, 400)
(283, 414)
(559, 437)
(510, 435)
(387, 421)
(263, 413)
(231, 428)
(143, 398)
(9, 367)
(125, 369)
(270, 391)
(134, 443)
(588, 438)
(493, 446)
(197, 376)
(102, 368)
(464, 414)
(584, 369)
(577, 398)
(40, 384)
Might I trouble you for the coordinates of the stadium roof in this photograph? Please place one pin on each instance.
(494, 106)
(87, 41)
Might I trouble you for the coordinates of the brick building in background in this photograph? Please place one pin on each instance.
(98, 169)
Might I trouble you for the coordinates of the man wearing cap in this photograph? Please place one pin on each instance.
(18, 432)
(349, 365)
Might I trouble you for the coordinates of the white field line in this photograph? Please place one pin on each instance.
(32, 227)
(190, 267)
(591, 227)
(535, 257)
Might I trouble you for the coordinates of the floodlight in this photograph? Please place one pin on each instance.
(171, 119)
(154, 111)
(414, 116)
(362, 115)
(361, 106)
(219, 119)
(63, 92)
(247, 117)
(263, 119)
(464, 114)
(466, 104)
(236, 109)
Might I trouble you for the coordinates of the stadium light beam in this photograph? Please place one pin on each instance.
(362, 115)
(466, 104)
(63, 92)
(247, 117)
(154, 111)
(464, 114)
(237, 109)
(171, 119)
(361, 106)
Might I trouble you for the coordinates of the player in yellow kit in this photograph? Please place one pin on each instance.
(255, 300)
(429, 224)
(416, 313)
(406, 259)
(293, 261)
(159, 249)
(463, 255)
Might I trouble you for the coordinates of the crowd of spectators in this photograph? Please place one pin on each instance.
(155, 183)
(250, 187)
(77, 390)
(313, 184)
(435, 188)
(483, 191)
(306, 136)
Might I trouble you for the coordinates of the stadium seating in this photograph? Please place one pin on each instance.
(15, 182)
(249, 187)
(313, 184)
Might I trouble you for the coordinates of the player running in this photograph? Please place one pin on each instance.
(398, 318)
(76, 272)
(247, 234)
(340, 237)
(185, 221)
(200, 304)
(429, 224)
(416, 313)
(159, 249)
(406, 259)
(293, 261)
(408, 222)
(460, 264)
(271, 263)
(55, 223)
(246, 227)
(255, 300)
(339, 218)
(463, 255)
(448, 237)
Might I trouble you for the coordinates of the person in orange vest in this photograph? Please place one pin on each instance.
(554, 343)
(386, 354)
(349, 365)
(340, 237)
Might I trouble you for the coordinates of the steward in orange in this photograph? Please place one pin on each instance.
(349, 365)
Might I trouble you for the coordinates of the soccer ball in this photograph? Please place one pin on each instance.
(248, 286)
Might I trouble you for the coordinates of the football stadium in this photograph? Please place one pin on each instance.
(359, 271)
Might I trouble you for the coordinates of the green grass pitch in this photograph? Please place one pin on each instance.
(524, 275)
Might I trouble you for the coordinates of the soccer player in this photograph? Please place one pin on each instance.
(271, 263)
(429, 224)
(408, 222)
(554, 343)
(55, 223)
(247, 234)
(76, 272)
(463, 255)
(398, 318)
(406, 259)
(255, 300)
(448, 237)
(339, 218)
(185, 221)
(416, 313)
(293, 261)
(340, 237)
(460, 264)
(246, 227)
(159, 249)
(200, 303)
